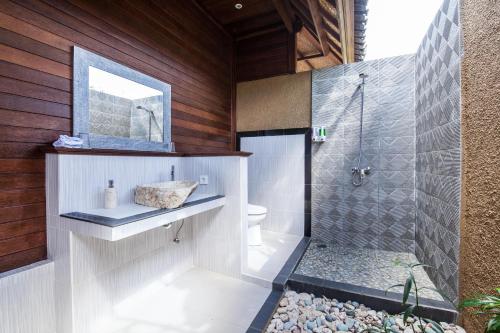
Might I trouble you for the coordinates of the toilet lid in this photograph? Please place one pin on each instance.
(256, 210)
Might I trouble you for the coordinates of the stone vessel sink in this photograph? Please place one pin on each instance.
(164, 195)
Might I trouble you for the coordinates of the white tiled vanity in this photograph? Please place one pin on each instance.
(98, 266)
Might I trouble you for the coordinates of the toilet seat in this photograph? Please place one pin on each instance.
(256, 214)
(256, 210)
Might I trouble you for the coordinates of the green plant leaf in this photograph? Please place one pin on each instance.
(493, 325)
(470, 303)
(434, 326)
(408, 312)
(419, 264)
(407, 290)
(394, 286)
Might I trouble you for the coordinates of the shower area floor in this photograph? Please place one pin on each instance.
(376, 269)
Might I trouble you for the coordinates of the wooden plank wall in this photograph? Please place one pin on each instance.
(265, 55)
(172, 41)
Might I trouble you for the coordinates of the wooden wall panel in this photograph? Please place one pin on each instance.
(265, 55)
(171, 41)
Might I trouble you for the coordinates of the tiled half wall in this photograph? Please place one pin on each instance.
(276, 179)
(437, 108)
(93, 276)
(381, 213)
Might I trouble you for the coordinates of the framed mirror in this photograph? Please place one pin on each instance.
(116, 107)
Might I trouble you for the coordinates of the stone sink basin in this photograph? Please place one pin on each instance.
(164, 195)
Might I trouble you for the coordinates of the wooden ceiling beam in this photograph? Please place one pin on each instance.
(310, 37)
(285, 11)
(311, 56)
(337, 54)
(302, 13)
(314, 9)
(253, 24)
(335, 37)
(345, 10)
(211, 18)
(261, 31)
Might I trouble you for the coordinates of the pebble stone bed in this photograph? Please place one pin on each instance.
(372, 268)
(298, 313)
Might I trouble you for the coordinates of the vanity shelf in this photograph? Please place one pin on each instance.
(132, 219)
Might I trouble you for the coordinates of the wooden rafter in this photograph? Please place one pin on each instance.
(345, 10)
(314, 9)
(303, 13)
(285, 11)
(311, 56)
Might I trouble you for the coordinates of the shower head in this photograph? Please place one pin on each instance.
(140, 107)
(362, 76)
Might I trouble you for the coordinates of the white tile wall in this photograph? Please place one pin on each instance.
(219, 235)
(82, 178)
(276, 180)
(93, 275)
(27, 300)
(106, 273)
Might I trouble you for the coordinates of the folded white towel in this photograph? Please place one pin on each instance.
(68, 142)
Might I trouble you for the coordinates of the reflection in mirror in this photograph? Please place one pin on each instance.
(120, 107)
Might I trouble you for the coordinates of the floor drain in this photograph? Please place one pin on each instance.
(321, 246)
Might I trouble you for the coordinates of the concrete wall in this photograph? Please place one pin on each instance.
(380, 213)
(437, 177)
(275, 103)
(480, 206)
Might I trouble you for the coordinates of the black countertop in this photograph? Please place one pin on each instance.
(112, 222)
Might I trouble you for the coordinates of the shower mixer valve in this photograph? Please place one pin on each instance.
(363, 172)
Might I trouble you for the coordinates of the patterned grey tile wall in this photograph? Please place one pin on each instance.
(381, 213)
(110, 115)
(139, 120)
(437, 106)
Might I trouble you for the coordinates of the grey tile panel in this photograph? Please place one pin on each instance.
(339, 209)
(397, 162)
(437, 162)
(397, 145)
(391, 197)
(411, 123)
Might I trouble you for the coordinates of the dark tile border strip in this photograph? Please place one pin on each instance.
(308, 181)
(373, 298)
(266, 312)
(307, 163)
(287, 270)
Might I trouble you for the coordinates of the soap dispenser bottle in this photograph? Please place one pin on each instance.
(110, 197)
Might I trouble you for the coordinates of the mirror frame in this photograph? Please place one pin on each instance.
(82, 60)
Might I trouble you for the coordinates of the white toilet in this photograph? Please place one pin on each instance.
(256, 214)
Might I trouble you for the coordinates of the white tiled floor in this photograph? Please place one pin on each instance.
(265, 261)
(197, 301)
